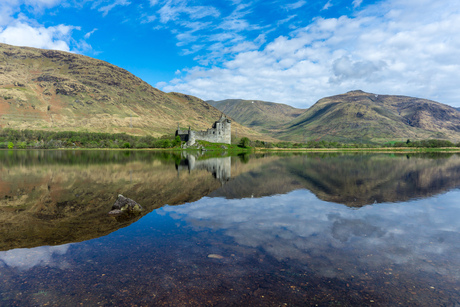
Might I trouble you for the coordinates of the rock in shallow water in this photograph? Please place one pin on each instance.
(215, 256)
(125, 205)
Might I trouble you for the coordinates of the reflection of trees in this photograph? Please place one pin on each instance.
(354, 180)
(361, 180)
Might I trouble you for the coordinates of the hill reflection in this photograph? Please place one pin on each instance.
(59, 197)
(352, 180)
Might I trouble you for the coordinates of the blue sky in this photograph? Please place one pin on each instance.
(292, 52)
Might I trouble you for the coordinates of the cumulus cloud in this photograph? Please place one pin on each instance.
(346, 69)
(392, 47)
(23, 34)
(17, 28)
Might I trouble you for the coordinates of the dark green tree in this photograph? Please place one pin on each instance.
(244, 142)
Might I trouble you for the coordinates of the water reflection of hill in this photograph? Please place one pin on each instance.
(56, 197)
(353, 180)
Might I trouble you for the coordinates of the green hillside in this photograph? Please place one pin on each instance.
(357, 116)
(55, 91)
(259, 115)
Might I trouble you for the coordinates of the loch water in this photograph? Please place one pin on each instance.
(317, 229)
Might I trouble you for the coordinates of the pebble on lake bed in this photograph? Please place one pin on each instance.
(215, 256)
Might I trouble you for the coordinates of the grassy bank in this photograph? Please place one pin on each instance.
(32, 139)
(377, 149)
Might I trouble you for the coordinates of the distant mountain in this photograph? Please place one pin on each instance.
(359, 116)
(259, 115)
(55, 90)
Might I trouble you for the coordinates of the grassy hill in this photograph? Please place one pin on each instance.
(259, 115)
(55, 90)
(364, 117)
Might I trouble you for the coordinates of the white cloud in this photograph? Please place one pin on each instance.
(171, 10)
(327, 5)
(87, 35)
(23, 34)
(7, 9)
(346, 69)
(18, 27)
(295, 5)
(42, 3)
(107, 8)
(357, 3)
(393, 47)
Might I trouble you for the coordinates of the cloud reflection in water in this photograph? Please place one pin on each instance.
(324, 235)
(27, 258)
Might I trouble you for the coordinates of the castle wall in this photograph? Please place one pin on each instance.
(214, 135)
(221, 132)
(183, 134)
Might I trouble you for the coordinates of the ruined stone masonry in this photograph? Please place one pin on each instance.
(221, 132)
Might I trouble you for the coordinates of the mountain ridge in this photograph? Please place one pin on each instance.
(55, 90)
(362, 116)
(355, 116)
(259, 115)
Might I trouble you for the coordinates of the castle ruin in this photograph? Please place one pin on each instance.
(221, 132)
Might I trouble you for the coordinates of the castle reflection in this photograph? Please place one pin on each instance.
(220, 168)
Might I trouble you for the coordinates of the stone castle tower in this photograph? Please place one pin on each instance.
(221, 132)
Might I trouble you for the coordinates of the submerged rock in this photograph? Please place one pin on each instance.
(125, 205)
(215, 256)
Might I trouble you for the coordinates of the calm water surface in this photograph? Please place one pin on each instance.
(316, 229)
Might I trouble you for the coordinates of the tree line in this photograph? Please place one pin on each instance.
(432, 143)
(38, 139)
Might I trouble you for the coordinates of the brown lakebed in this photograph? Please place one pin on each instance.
(326, 229)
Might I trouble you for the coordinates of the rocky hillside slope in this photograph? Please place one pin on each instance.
(365, 117)
(260, 115)
(55, 90)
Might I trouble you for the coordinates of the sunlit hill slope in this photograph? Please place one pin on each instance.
(259, 115)
(364, 117)
(55, 90)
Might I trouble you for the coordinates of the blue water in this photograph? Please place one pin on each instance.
(284, 249)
